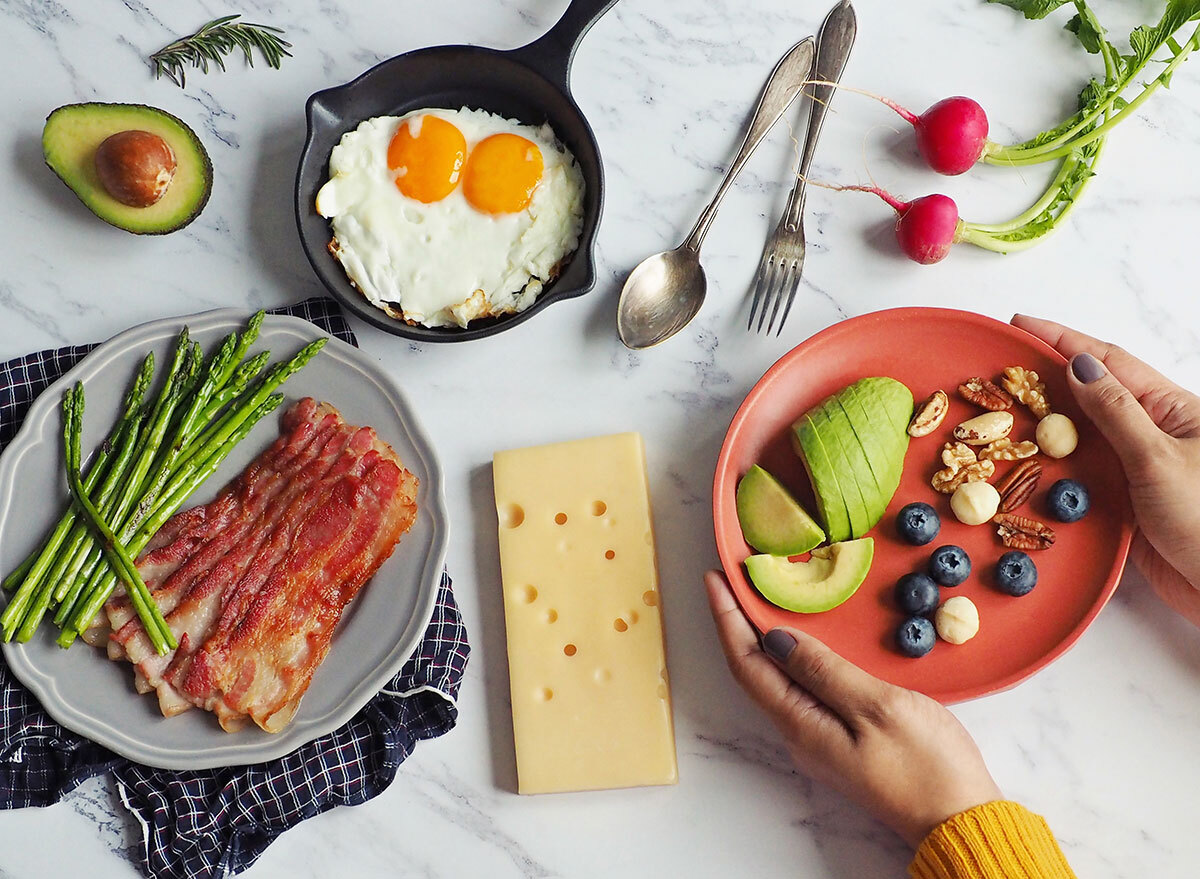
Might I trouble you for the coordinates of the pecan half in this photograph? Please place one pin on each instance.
(984, 393)
(929, 415)
(1019, 532)
(961, 467)
(1019, 484)
(1007, 450)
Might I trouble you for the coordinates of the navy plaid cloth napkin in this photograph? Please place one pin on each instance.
(216, 822)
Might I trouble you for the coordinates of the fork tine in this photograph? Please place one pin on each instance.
(772, 292)
(785, 281)
(791, 297)
(762, 284)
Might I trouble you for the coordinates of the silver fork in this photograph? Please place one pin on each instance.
(782, 262)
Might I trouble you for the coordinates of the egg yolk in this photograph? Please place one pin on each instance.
(502, 173)
(427, 162)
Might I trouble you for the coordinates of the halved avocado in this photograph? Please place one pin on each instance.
(831, 576)
(74, 132)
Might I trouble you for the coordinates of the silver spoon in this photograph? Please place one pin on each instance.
(665, 291)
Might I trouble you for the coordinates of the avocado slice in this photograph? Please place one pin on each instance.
(889, 403)
(884, 446)
(75, 131)
(874, 447)
(819, 464)
(831, 576)
(860, 468)
(772, 520)
(856, 505)
(894, 398)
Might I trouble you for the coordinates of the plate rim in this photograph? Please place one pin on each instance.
(721, 496)
(42, 686)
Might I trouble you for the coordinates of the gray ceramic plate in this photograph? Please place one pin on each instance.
(380, 630)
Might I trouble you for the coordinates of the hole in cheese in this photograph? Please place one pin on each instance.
(649, 598)
(560, 519)
(633, 616)
(602, 676)
(599, 508)
(545, 694)
(529, 594)
(570, 650)
(610, 555)
(512, 516)
(551, 615)
(620, 625)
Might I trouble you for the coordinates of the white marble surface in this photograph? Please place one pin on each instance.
(1104, 742)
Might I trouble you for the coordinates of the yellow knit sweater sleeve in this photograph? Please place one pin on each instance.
(1000, 840)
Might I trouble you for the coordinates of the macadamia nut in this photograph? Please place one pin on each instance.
(957, 620)
(975, 502)
(1056, 435)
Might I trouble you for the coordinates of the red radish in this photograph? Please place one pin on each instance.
(926, 227)
(951, 135)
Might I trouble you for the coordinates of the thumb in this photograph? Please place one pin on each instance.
(841, 685)
(1114, 410)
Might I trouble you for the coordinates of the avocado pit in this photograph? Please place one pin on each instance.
(135, 167)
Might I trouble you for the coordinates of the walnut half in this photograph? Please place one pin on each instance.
(1026, 386)
(962, 466)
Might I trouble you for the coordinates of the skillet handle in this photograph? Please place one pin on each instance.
(551, 53)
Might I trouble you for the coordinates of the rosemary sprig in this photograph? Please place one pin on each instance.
(220, 37)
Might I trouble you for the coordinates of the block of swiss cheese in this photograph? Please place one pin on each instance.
(591, 702)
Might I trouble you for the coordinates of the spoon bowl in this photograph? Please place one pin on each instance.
(661, 296)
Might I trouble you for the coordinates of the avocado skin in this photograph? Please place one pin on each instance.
(73, 164)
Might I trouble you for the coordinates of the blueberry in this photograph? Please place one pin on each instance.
(918, 524)
(949, 565)
(1016, 574)
(915, 637)
(916, 594)
(1068, 500)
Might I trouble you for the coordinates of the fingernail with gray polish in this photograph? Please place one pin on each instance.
(778, 644)
(1087, 368)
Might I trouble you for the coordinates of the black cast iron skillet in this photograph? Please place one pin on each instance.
(530, 84)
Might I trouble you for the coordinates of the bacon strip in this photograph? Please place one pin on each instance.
(254, 583)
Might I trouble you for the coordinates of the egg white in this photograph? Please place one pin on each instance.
(446, 263)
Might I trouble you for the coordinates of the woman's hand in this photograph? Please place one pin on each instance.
(1154, 426)
(898, 754)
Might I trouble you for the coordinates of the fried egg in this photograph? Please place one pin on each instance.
(441, 217)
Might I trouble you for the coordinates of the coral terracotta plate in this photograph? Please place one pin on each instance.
(927, 349)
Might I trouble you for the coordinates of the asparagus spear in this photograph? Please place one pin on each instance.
(75, 551)
(118, 557)
(68, 575)
(100, 475)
